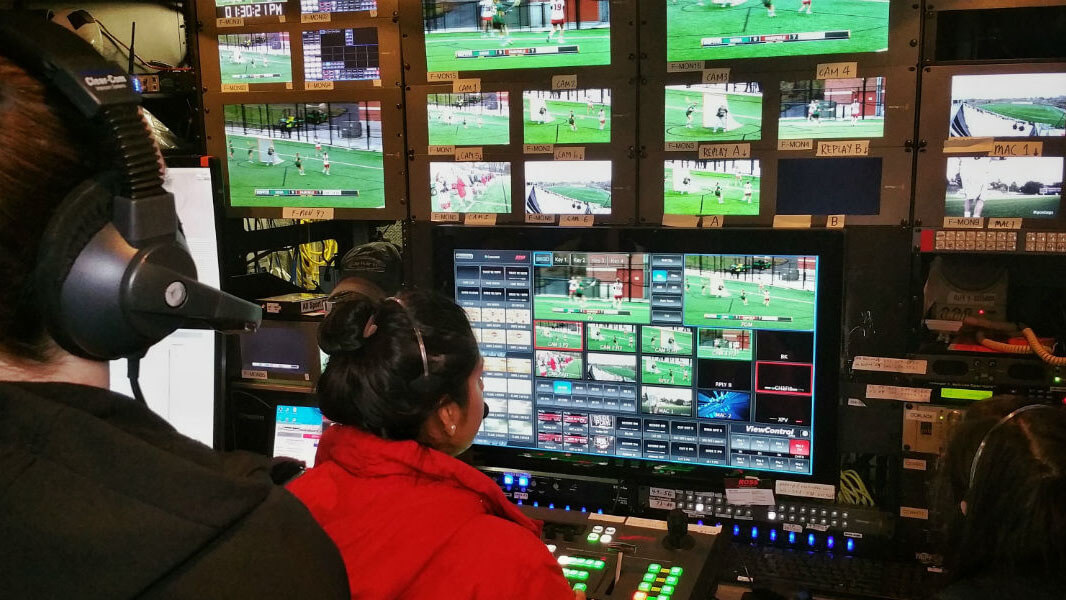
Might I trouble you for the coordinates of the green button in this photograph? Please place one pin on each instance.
(672, 580)
(664, 596)
(598, 564)
(676, 571)
(580, 587)
(593, 537)
(668, 589)
(654, 567)
(644, 586)
(649, 577)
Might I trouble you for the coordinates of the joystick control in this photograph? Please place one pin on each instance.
(677, 537)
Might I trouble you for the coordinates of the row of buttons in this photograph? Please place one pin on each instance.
(601, 535)
(1045, 242)
(660, 581)
(577, 561)
(976, 240)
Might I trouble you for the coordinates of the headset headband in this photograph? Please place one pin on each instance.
(1000, 423)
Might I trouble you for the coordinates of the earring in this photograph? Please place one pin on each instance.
(453, 428)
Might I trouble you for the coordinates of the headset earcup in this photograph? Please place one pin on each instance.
(80, 216)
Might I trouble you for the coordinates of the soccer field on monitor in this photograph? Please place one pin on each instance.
(593, 48)
(746, 109)
(788, 303)
(590, 310)
(588, 195)
(801, 129)
(495, 199)
(255, 67)
(664, 373)
(1031, 113)
(361, 170)
(656, 339)
(690, 21)
(611, 338)
(1008, 205)
(702, 201)
(613, 367)
(707, 349)
(557, 338)
(465, 130)
(558, 131)
(567, 364)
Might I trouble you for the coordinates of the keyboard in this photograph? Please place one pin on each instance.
(819, 572)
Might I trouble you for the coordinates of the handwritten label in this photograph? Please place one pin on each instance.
(466, 86)
(468, 154)
(230, 22)
(750, 497)
(968, 145)
(725, 151)
(792, 221)
(440, 150)
(908, 512)
(681, 221)
(288, 85)
(281, 19)
(316, 18)
(444, 217)
(835, 221)
(895, 392)
(646, 523)
(373, 14)
(685, 66)
(577, 220)
(307, 214)
(817, 527)
(437, 76)
(793, 145)
(480, 219)
(318, 85)
(570, 153)
(854, 148)
(964, 222)
(250, 374)
(890, 365)
(682, 146)
(856, 403)
(792, 527)
(805, 490)
(838, 70)
(538, 149)
(1001, 148)
(540, 219)
(564, 82)
(716, 75)
(705, 529)
(234, 87)
(377, 83)
(712, 221)
(997, 223)
(914, 464)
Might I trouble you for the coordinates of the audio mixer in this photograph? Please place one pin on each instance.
(611, 557)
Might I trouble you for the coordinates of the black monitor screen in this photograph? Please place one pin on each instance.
(706, 359)
(829, 186)
(282, 351)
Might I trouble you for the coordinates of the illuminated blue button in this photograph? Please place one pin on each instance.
(850, 545)
(773, 535)
(829, 542)
(754, 533)
(508, 479)
(792, 537)
(810, 539)
(563, 387)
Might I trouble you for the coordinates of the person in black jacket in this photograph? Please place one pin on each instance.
(99, 497)
(1003, 490)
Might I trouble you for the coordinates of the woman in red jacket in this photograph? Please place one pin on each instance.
(404, 385)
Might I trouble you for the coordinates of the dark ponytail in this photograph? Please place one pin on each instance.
(376, 379)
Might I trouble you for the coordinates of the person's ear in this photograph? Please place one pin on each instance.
(962, 507)
(450, 415)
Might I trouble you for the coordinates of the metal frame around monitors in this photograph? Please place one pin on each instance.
(620, 151)
(388, 91)
(931, 183)
(893, 147)
(904, 24)
(932, 12)
(209, 17)
(432, 245)
(623, 50)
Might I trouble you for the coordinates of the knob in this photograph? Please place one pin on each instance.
(677, 537)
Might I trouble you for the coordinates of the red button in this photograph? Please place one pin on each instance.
(799, 447)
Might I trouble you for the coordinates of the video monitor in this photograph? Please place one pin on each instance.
(832, 108)
(510, 34)
(562, 187)
(729, 29)
(638, 353)
(985, 186)
(470, 187)
(297, 432)
(711, 187)
(566, 117)
(327, 154)
(255, 58)
(341, 54)
(249, 9)
(336, 6)
(481, 119)
(829, 186)
(1008, 105)
(714, 112)
(282, 352)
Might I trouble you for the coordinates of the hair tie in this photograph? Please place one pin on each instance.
(370, 328)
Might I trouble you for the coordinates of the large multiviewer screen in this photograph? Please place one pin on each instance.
(705, 359)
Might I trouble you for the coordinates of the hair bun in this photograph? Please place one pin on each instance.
(334, 347)
(342, 330)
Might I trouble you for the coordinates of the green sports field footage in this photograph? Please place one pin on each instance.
(254, 67)
(350, 171)
(659, 371)
(551, 363)
(744, 109)
(700, 199)
(557, 338)
(1000, 204)
(717, 347)
(590, 310)
(1032, 113)
(727, 29)
(471, 126)
(657, 340)
(556, 127)
(624, 368)
(787, 309)
(526, 50)
(611, 338)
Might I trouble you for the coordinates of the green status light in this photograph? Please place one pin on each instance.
(644, 586)
(654, 568)
(668, 589)
(580, 587)
(649, 577)
(671, 580)
(593, 537)
(676, 571)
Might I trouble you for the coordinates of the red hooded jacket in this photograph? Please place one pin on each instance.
(412, 522)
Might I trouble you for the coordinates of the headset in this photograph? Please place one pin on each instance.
(999, 424)
(114, 275)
